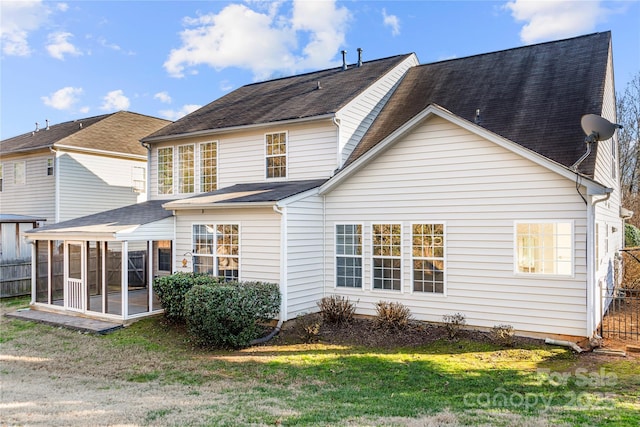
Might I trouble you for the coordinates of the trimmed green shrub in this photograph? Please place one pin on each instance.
(229, 315)
(336, 309)
(392, 315)
(172, 289)
(631, 236)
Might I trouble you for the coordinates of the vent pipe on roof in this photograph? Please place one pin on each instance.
(344, 59)
(47, 120)
(359, 57)
(318, 87)
(37, 127)
(80, 125)
(477, 120)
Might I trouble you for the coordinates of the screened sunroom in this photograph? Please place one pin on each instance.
(103, 265)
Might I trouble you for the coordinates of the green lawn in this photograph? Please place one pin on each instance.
(446, 383)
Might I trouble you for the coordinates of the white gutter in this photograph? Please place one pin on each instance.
(210, 132)
(101, 152)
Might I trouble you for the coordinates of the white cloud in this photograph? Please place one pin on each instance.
(554, 19)
(263, 42)
(163, 97)
(391, 21)
(58, 45)
(63, 99)
(63, 7)
(17, 20)
(115, 100)
(176, 114)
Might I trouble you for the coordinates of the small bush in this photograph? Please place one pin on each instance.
(631, 236)
(172, 289)
(308, 328)
(336, 309)
(503, 335)
(454, 324)
(392, 315)
(230, 315)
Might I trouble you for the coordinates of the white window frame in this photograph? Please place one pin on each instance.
(216, 257)
(200, 166)
(1, 178)
(386, 257)
(170, 188)
(139, 185)
(180, 168)
(572, 249)
(430, 258)
(17, 178)
(270, 156)
(350, 256)
(51, 166)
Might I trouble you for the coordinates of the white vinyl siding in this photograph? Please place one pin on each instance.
(37, 198)
(89, 184)
(440, 172)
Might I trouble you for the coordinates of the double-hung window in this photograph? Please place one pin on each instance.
(216, 250)
(544, 248)
(165, 170)
(186, 169)
(387, 256)
(19, 173)
(50, 167)
(349, 255)
(428, 257)
(276, 154)
(208, 166)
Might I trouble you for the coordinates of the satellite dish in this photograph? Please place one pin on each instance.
(598, 128)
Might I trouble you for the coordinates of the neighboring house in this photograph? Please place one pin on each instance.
(449, 187)
(68, 170)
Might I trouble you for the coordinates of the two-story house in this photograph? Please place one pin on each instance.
(63, 171)
(449, 187)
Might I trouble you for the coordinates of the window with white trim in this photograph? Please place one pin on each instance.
(50, 167)
(19, 173)
(544, 248)
(186, 169)
(139, 179)
(1, 179)
(387, 256)
(428, 257)
(349, 255)
(216, 250)
(208, 166)
(165, 170)
(276, 154)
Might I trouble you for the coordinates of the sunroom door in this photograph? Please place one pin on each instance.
(75, 295)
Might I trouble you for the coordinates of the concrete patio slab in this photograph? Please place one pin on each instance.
(66, 321)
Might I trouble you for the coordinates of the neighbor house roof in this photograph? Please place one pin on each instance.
(533, 95)
(118, 132)
(253, 193)
(15, 218)
(281, 99)
(108, 222)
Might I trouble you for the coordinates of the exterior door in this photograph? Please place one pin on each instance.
(75, 295)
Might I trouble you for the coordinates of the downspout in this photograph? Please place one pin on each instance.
(591, 262)
(283, 280)
(148, 147)
(56, 183)
(336, 121)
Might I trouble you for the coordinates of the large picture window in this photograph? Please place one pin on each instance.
(165, 170)
(349, 255)
(208, 166)
(428, 257)
(216, 250)
(186, 169)
(276, 153)
(387, 256)
(544, 248)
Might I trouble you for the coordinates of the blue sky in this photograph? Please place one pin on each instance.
(67, 60)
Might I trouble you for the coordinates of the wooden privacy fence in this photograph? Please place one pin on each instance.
(15, 278)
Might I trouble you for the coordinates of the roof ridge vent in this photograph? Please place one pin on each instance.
(344, 60)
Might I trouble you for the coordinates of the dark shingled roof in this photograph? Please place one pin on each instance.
(533, 95)
(248, 193)
(118, 132)
(283, 99)
(113, 220)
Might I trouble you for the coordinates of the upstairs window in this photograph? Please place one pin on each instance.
(139, 180)
(276, 153)
(428, 258)
(186, 166)
(19, 173)
(208, 166)
(50, 167)
(1, 178)
(349, 255)
(544, 248)
(387, 256)
(165, 170)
